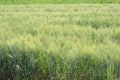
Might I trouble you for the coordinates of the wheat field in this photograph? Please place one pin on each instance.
(60, 42)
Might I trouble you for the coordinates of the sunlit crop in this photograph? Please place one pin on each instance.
(60, 42)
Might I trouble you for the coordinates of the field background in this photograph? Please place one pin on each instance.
(56, 1)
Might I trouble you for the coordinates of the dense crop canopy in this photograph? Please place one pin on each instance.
(60, 42)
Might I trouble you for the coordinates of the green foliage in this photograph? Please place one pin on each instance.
(56, 1)
(60, 42)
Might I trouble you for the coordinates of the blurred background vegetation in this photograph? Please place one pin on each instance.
(56, 1)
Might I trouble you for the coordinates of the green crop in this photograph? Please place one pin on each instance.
(60, 42)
